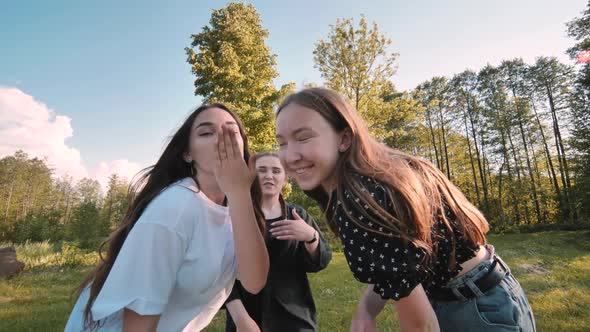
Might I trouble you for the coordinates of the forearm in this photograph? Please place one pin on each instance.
(237, 310)
(251, 253)
(415, 312)
(372, 302)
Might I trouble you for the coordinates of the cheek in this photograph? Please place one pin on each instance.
(325, 154)
(203, 151)
(282, 156)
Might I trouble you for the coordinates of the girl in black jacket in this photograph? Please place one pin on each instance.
(295, 248)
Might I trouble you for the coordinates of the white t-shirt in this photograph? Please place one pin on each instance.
(178, 261)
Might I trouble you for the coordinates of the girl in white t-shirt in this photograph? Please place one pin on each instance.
(190, 230)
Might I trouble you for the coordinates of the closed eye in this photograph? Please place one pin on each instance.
(304, 139)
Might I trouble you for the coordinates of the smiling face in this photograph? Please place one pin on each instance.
(309, 146)
(271, 175)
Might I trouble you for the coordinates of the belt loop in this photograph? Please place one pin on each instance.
(473, 287)
(458, 294)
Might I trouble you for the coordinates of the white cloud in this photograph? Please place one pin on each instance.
(29, 125)
(122, 167)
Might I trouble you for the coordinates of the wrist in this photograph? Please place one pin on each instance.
(312, 238)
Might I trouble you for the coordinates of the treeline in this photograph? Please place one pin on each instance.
(35, 205)
(514, 137)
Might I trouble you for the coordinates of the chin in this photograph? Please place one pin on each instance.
(307, 185)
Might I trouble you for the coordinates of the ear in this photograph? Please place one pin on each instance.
(345, 140)
(187, 157)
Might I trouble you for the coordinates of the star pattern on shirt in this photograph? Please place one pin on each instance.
(376, 256)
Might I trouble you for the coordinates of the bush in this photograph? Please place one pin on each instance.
(38, 227)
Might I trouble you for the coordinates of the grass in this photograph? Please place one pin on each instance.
(553, 268)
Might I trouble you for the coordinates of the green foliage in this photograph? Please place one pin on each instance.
(39, 227)
(579, 29)
(355, 61)
(36, 206)
(86, 227)
(115, 203)
(234, 66)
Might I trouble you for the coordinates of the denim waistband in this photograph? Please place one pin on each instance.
(468, 279)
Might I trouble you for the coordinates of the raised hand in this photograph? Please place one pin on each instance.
(231, 171)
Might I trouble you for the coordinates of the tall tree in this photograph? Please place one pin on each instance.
(553, 81)
(496, 112)
(115, 201)
(579, 29)
(515, 75)
(355, 60)
(233, 65)
(464, 93)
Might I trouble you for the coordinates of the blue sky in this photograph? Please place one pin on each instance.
(117, 70)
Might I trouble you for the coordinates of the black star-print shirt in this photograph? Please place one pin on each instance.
(393, 265)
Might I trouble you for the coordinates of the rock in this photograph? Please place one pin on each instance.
(9, 265)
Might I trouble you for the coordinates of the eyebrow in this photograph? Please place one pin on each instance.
(297, 131)
(209, 123)
(272, 167)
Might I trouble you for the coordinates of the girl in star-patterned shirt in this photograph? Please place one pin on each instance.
(407, 231)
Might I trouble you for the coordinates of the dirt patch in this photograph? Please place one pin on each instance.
(534, 269)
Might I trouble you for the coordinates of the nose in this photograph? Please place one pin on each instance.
(290, 154)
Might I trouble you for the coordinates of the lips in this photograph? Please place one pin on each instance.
(301, 170)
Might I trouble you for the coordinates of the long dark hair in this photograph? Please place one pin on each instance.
(419, 192)
(147, 184)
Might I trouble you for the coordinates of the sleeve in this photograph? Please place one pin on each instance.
(236, 293)
(374, 255)
(324, 253)
(144, 273)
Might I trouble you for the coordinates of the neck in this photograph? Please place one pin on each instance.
(329, 184)
(271, 206)
(210, 188)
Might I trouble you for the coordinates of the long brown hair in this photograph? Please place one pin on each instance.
(169, 168)
(417, 190)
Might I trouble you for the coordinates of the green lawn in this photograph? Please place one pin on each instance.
(553, 267)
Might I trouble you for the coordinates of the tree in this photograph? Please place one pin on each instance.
(515, 74)
(464, 95)
(552, 81)
(115, 201)
(356, 62)
(233, 65)
(579, 29)
(86, 226)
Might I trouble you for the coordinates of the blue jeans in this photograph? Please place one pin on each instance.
(502, 308)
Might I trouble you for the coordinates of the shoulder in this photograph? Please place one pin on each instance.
(174, 207)
(361, 190)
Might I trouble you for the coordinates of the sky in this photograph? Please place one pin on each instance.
(97, 87)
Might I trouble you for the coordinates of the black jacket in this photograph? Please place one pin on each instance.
(285, 303)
